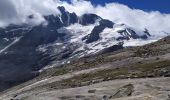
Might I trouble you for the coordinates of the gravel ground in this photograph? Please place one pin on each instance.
(143, 89)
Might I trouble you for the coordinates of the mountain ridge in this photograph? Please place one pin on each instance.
(27, 49)
(132, 73)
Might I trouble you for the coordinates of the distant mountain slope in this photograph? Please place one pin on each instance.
(132, 73)
(25, 49)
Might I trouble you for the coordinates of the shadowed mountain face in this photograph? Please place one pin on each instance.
(95, 34)
(25, 49)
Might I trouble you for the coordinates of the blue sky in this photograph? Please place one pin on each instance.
(147, 5)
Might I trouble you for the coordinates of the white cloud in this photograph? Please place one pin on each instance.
(80, 6)
(16, 11)
(154, 21)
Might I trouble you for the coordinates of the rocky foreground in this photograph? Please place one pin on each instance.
(126, 89)
(137, 73)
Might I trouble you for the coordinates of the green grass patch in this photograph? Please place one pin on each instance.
(153, 69)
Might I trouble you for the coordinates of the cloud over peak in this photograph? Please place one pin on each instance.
(17, 11)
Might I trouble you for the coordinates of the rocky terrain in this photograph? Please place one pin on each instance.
(132, 73)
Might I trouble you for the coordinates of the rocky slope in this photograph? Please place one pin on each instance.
(25, 50)
(133, 73)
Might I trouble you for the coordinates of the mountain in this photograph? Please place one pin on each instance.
(132, 73)
(26, 50)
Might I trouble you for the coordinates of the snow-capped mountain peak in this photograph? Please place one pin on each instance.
(60, 39)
